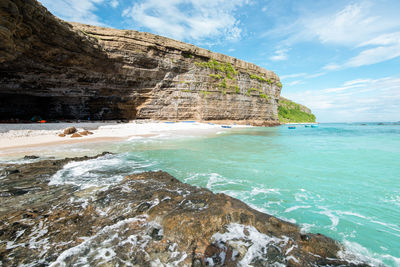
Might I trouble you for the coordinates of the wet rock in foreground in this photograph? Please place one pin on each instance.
(149, 219)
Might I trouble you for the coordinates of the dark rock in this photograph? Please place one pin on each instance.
(155, 234)
(70, 130)
(17, 192)
(305, 237)
(197, 263)
(31, 157)
(274, 254)
(143, 207)
(12, 171)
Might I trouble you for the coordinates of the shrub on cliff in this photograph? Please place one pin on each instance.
(289, 111)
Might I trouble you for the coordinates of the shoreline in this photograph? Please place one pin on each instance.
(17, 141)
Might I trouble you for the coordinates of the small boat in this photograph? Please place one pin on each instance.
(314, 126)
(188, 121)
(169, 122)
(226, 126)
(292, 127)
(307, 126)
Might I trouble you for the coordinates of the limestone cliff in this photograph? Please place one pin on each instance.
(56, 69)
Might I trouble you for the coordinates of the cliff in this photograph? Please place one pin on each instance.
(289, 111)
(56, 69)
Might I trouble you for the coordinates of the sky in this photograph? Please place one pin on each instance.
(340, 58)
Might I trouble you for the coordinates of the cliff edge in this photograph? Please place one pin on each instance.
(56, 70)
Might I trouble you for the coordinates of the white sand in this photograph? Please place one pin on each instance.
(28, 139)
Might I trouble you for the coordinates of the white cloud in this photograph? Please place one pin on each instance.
(280, 54)
(369, 28)
(332, 66)
(188, 19)
(315, 75)
(114, 3)
(355, 100)
(351, 25)
(289, 76)
(374, 55)
(294, 83)
(384, 39)
(75, 10)
(358, 25)
(357, 82)
(387, 46)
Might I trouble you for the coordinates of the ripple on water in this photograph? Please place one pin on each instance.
(355, 253)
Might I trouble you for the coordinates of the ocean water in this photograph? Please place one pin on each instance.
(341, 180)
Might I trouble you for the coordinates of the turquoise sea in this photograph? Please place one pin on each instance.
(341, 180)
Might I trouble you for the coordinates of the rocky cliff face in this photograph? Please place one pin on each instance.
(66, 70)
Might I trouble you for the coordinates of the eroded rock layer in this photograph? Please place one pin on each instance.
(148, 219)
(56, 69)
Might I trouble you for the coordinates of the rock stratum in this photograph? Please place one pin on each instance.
(147, 219)
(54, 69)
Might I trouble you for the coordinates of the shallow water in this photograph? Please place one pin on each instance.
(342, 180)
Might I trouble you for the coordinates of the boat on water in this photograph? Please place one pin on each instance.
(314, 126)
(307, 126)
(291, 127)
(226, 126)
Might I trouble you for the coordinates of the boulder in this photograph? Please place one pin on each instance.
(70, 130)
(76, 135)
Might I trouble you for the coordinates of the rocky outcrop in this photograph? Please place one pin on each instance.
(289, 111)
(56, 69)
(149, 219)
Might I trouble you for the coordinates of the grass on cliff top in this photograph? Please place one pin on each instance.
(289, 111)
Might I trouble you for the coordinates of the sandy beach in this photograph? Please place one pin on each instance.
(25, 139)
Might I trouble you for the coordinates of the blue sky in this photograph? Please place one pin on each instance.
(340, 58)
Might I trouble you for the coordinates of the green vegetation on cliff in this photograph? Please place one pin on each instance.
(289, 111)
